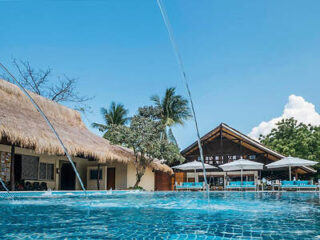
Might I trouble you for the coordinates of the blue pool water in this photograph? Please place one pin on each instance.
(168, 215)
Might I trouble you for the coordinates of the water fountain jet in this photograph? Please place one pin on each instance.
(5, 187)
(184, 76)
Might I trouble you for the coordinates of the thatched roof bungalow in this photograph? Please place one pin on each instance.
(21, 125)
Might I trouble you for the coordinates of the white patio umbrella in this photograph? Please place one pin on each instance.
(194, 165)
(291, 162)
(241, 164)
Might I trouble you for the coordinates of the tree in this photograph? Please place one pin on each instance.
(296, 139)
(115, 115)
(143, 137)
(175, 110)
(61, 89)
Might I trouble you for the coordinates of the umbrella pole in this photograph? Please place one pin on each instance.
(289, 173)
(241, 176)
(195, 177)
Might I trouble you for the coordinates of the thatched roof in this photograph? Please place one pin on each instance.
(22, 125)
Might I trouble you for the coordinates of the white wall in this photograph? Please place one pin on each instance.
(147, 181)
(125, 174)
(81, 165)
(120, 176)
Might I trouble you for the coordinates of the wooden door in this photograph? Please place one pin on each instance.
(163, 181)
(111, 178)
(191, 179)
(180, 177)
(67, 177)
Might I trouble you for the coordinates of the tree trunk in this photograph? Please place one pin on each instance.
(98, 177)
(137, 181)
(139, 175)
(12, 168)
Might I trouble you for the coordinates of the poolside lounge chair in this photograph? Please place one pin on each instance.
(27, 186)
(190, 186)
(36, 186)
(43, 186)
(244, 185)
(297, 185)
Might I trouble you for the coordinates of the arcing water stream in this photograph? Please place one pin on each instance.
(184, 76)
(4, 185)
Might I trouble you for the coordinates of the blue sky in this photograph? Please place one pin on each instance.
(243, 58)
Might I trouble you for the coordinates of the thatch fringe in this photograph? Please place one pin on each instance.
(21, 124)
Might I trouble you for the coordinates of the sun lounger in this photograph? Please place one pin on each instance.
(244, 185)
(234, 185)
(190, 186)
(297, 185)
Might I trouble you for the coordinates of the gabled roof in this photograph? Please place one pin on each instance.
(231, 132)
(22, 125)
(236, 136)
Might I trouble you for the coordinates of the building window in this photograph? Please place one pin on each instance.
(43, 171)
(252, 157)
(50, 171)
(46, 171)
(29, 167)
(94, 174)
(32, 169)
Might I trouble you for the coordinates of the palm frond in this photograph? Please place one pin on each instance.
(171, 137)
(156, 100)
(175, 109)
(116, 114)
(99, 126)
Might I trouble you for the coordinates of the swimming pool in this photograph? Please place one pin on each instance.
(161, 215)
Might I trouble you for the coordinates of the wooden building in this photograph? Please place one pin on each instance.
(225, 144)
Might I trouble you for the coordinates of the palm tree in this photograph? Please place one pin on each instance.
(175, 110)
(116, 114)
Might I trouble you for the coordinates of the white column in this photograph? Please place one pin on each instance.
(289, 173)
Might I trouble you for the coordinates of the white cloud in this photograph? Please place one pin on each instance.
(298, 108)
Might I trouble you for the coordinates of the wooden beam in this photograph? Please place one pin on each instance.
(244, 143)
(221, 142)
(98, 177)
(249, 145)
(203, 142)
(12, 168)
